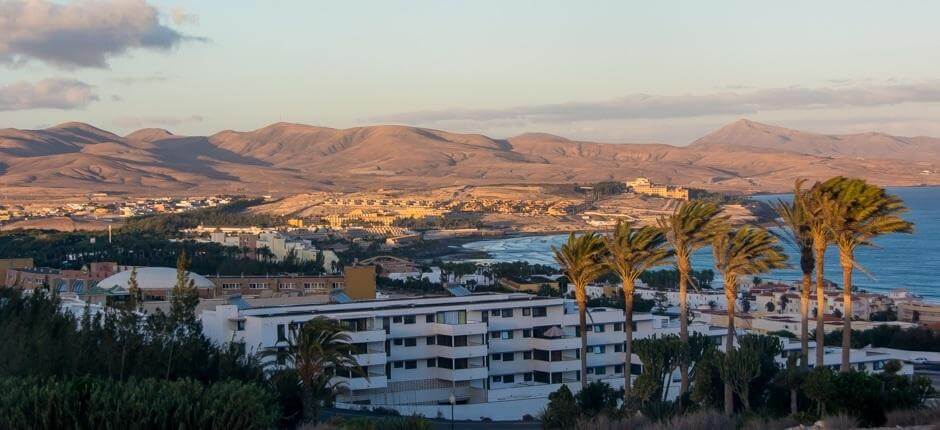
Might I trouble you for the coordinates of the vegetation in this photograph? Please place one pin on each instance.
(857, 212)
(690, 227)
(315, 352)
(889, 336)
(233, 214)
(94, 402)
(630, 252)
(668, 279)
(744, 251)
(795, 225)
(581, 259)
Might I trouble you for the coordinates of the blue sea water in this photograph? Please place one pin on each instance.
(909, 261)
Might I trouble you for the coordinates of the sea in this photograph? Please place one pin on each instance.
(897, 261)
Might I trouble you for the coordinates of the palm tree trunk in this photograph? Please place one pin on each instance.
(729, 345)
(582, 320)
(684, 268)
(820, 305)
(628, 288)
(846, 312)
(309, 404)
(794, 407)
(804, 319)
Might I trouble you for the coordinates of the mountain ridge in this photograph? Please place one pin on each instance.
(744, 156)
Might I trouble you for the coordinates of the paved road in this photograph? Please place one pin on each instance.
(440, 424)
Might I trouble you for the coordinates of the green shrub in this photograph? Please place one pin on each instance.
(87, 402)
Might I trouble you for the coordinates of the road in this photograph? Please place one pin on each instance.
(439, 424)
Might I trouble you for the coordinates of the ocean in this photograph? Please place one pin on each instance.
(908, 261)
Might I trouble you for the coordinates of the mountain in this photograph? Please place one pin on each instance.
(283, 158)
(750, 134)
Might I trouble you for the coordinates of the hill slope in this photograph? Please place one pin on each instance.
(290, 158)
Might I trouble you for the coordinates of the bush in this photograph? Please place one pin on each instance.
(607, 422)
(707, 420)
(87, 402)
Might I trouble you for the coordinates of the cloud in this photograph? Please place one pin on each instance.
(151, 121)
(46, 94)
(181, 17)
(85, 33)
(133, 80)
(646, 106)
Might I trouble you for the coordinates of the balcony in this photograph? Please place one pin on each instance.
(470, 328)
(374, 381)
(468, 374)
(371, 358)
(366, 336)
(554, 344)
(468, 351)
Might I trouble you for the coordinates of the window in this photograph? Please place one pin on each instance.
(230, 286)
(409, 319)
(600, 370)
(590, 370)
(618, 368)
(497, 378)
(618, 326)
(445, 363)
(509, 356)
(494, 312)
(509, 379)
(281, 332)
(598, 328)
(505, 334)
(258, 285)
(308, 285)
(432, 362)
(429, 318)
(411, 341)
(396, 319)
(527, 377)
(399, 364)
(411, 364)
(398, 342)
(618, 347)
(461, 363)
(240, 326)
(539, 312)
(526, 333)
(431, 340)
(527, 355)
(288, 286)
(636, 369)
(507, 313)
(497, 357)
(541, 377)
(460, 340)
(445, 340)
(598, 349)
(526, 312)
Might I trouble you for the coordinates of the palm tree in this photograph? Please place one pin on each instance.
(793, 221)
(580, 258)
(858, 212)
(317, 351)
(691, 227)
(812, 202)
(630, 252)
(745, 251)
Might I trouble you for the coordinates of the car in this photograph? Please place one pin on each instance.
(919, 360)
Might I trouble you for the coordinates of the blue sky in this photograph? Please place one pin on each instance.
(612, 71)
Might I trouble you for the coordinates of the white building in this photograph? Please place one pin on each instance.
(483, 348)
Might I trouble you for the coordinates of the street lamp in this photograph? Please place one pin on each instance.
(453, 401)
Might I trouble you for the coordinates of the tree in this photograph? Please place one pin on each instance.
(597, 397)
(769, 306)
(691, 227)
(819, 387)
(318, 351)
(793, 221)
(562, 410)
(738, 368)
(857, 212)
(745, 251)
(581, 259)
(812, 202)
(631, 252)
(660, 357)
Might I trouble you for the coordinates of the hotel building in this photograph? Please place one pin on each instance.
(481, 348)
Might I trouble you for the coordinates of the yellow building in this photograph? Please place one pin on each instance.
(646, 186)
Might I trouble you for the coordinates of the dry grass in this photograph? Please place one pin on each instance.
(913, 417)
(702, 420)
(770, 424)
(840, 422)
(604, 422)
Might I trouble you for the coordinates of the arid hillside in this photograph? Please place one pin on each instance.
(76, 159)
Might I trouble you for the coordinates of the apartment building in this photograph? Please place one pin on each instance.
(358, 282)
(481, 348)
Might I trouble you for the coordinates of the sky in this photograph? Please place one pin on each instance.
(610, 71)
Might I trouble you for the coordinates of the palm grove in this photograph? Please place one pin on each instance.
(845, 212)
